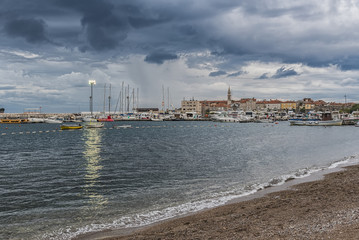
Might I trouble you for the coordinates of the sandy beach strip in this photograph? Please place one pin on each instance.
(321, 209)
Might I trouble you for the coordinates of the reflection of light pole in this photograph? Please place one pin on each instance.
(91, 82)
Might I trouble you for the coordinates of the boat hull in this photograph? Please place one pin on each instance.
(315, 123)
(64, 127)
(94, 125)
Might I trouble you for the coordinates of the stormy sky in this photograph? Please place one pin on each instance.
(50, 49)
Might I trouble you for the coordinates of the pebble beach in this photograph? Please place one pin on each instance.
(323, 209)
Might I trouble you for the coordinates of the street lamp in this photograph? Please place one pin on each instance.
(91, 82)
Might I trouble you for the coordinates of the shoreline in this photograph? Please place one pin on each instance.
(231, 222)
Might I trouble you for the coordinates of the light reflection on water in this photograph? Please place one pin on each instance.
(93, 159)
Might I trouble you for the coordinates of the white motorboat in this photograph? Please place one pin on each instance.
(36, 120)
(53, 120)
(94, 125)
(89, 119)
(122, 126)
(157, 119)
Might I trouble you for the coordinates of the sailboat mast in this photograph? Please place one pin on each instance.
(104, 99)
(122, 97)
(133, 100)
(118, 99)
(168, 99)
(163, 99)
(137, 99)
(128, 98)
(109, 102)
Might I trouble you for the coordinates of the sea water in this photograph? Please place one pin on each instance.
(59, 184)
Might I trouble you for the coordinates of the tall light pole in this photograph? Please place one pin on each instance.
(91, 82)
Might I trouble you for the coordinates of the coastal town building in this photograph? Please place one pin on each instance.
(251, 104)
(271, 105)
(288, 105)
(308, 104)
(210, 106)
(191, 106)
(247, 104)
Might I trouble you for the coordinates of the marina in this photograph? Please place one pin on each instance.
(179, 120)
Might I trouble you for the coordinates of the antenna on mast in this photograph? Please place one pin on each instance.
(163, 99)
(104, 99)
(137, 98)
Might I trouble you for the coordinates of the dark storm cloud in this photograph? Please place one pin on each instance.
(217, 73)
(284, 72)
(160, 57)
(32, 30)
(103, 27)
(251, 29)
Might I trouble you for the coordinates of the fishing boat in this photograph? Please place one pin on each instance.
(70, 126)
(108, 119)
(303, 122)
(325, 120)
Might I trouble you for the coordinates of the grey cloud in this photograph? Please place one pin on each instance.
(236, 74)
(264, 76)
(31, 29)
(141, 22)
(283, 72)
(160, 57)
(188, 30)
(8, 88)
(217, 73)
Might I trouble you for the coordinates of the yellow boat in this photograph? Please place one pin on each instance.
(7, 120)
(70, 127)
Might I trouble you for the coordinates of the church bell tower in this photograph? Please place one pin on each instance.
(229, 98)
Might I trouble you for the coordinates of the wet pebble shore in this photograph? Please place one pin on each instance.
(323, 209)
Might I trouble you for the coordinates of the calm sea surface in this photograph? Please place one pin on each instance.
(58, 184)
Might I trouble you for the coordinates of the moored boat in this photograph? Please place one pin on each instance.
(316, 122)
(157, 119)
(36, 120)
(70, 127)
(108, 119)
(9, 120)
(325, 120)
(53, 120)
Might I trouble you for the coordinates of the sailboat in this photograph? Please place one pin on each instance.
(108, 118)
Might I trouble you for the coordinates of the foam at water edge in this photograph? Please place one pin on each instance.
(139, 220)
(348, 160)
